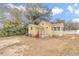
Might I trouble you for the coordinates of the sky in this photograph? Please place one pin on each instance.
(64, 11)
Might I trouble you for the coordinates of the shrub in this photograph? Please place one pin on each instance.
(10, 28)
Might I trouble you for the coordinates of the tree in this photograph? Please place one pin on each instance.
(59, 20)
(70, 25)
(12, 28)
(33, 13)
(16, 15)
(37, 11)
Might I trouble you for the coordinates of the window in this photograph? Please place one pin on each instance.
(42, 23)
(54, 28)
(58, 28)
(31, 28)
(62, 28)
(46, 27)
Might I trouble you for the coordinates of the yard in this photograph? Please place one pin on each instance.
(24, 46)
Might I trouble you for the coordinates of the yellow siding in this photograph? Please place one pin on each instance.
(44, 29)
(47, 28)
(32, 30)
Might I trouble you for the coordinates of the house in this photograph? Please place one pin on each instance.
(32, 30)
(44, 29)
(58, 26)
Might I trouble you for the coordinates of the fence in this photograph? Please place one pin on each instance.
(60, 33)
(71, 32)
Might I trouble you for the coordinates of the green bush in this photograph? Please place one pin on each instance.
(10, 28)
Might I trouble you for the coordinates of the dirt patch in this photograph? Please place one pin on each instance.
(23, 45)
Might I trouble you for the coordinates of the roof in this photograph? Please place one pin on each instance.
(57, 23)
(32, 25)
(54, 24)
(48, 23)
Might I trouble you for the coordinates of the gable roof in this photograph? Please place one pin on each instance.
(32, 25)
(57, 23)
(48, 23)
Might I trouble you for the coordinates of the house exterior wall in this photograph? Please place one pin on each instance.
(59, 26)
(47, 28)
(32, 30)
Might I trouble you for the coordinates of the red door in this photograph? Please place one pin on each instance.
(37, 35)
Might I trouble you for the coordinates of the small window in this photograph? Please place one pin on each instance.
(46, 27)
(31, 28)
(58, 28)
(62, 28)
(42, 23)
(54, 28)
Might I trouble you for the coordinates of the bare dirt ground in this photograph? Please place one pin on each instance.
(24, 46)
